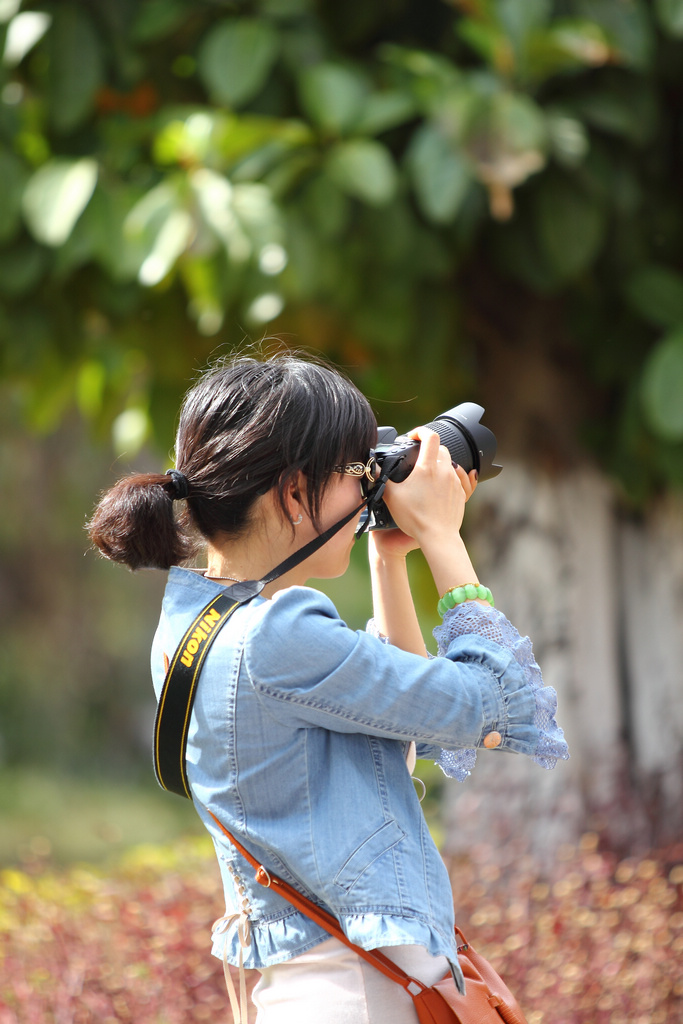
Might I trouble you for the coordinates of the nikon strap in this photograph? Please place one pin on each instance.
(174, 710)
(180, 685)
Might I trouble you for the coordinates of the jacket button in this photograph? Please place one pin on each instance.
(494, 739)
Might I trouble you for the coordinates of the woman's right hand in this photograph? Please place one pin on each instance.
(431, 501)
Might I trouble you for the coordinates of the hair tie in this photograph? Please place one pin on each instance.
(180, 483)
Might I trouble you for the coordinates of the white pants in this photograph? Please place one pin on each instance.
(331, 984)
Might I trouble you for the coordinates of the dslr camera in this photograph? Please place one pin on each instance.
(470, 443)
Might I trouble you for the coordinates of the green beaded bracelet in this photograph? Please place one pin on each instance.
(469, 592)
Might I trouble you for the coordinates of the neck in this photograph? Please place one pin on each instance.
(225, 566)
(256, 552)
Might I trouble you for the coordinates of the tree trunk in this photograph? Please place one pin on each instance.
(601, 595)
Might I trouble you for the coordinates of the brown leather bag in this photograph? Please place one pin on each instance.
(487, 999)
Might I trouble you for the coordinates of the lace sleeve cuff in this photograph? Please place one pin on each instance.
(473, 618)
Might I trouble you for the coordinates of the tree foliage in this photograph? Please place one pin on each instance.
(179, 174)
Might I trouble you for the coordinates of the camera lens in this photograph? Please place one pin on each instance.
(456, 442)
(470, 443)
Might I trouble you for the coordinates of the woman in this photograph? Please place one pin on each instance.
(304, 731)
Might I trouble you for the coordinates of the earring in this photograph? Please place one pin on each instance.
(299, 519)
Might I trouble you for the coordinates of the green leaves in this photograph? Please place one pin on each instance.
(670, 15)
(628, 27)
(619, 105)
(333, 96)
(662, 389)
(249, 144)
(365, 169)
(506, 138)
(440, 174)
(22, 269)
(567, 137)
(385, 110)
(199, 227)
(163, 227)
(566, 46)
(75, 69)
(656, 293)
(236, 58)
(234, 163)
(569, 225)
(340, 101)
(158, 18)
(23, 32)
(522, 42)
(519, 40)
(56, 196)
(13, 177)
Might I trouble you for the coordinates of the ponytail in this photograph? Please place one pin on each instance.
(134, 523)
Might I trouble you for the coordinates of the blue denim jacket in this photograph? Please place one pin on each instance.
(298, 741)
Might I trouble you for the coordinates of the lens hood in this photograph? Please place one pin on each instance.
(471, 444)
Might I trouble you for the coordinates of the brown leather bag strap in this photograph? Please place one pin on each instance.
(323, 918)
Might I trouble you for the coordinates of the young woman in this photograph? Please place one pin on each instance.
(304, 731)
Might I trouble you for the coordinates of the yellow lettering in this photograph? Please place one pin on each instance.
(209, 621)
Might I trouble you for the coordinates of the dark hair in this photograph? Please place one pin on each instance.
(248, 425)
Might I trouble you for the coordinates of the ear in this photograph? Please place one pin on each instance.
(295, 497)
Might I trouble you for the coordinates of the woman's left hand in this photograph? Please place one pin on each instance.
(391, 543)
(468, 480)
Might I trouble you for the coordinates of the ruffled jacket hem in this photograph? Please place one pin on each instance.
(276, 941)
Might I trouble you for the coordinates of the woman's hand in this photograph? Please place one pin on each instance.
(469, 480)
(430, 501)
(388, 544)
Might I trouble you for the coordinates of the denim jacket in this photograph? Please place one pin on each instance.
(298, 741)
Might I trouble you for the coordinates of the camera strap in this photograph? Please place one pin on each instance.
(172, 722)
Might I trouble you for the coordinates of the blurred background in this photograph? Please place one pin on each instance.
(470, 200)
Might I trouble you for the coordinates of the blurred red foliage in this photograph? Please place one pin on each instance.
(588, 939)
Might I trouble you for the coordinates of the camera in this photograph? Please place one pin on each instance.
(470, 443)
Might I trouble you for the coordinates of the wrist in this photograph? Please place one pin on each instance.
(450, 565)
(441, 540)
(386, 562)
(385, 548)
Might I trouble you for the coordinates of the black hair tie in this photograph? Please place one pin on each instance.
(180, 483)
